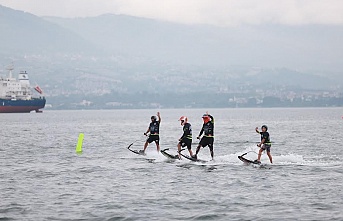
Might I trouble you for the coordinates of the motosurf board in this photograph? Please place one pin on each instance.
(139, 152)
(192, 159)
(256, 163)
(168, 155)
(247, 161)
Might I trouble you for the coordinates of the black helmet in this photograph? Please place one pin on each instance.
(265, 126)
(153, 118)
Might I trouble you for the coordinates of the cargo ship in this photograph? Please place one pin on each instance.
(16, 95)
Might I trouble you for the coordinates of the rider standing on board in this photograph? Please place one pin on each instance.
(208, 138)
(154, 129)
(186, 138)
(265, 144)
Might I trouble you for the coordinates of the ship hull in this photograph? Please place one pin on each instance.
(21, 106)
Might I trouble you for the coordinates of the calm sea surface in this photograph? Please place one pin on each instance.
(42, 178)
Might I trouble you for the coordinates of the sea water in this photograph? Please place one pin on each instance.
(42, 177)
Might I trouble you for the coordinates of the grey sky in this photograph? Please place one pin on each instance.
(218, 12)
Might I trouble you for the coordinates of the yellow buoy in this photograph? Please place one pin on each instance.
(79, 144)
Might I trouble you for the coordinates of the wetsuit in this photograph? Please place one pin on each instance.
(154, 129)
(186, 139)
(267, 144)
(208, 130)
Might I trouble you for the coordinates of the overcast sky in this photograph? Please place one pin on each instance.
(217, 12)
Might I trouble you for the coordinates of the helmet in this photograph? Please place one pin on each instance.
(206, 118)
(183, 120)
(265, 126)
(153, 118)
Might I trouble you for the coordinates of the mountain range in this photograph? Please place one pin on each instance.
(307, 47)
(310, 47)
(124, 54)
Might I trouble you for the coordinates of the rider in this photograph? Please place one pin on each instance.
(208, 138)
(154, 129)
(186, 138)
(265, 143)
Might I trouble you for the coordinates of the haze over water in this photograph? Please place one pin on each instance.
(42, 178)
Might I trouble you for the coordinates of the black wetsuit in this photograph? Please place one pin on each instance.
(267, 144)
(154, 128)
(186, 139)
(208, 130)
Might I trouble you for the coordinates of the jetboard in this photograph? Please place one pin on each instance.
(135, 151)
(258, 164)
(168, 155)
(193, 159)
(247, 161)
